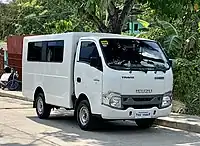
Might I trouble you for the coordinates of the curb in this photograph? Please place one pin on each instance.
(178, 125)
(14, 96)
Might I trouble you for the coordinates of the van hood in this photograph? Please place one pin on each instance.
(137, 82)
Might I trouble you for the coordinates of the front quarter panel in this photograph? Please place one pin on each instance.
(111, 81)
(169, 80)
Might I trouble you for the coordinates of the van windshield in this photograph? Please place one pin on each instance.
(126, 54)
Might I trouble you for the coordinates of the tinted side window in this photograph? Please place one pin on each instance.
(55, 51)
(34, 51)
(88, 50)
(46, 51)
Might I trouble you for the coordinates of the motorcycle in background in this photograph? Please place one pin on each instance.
(9, 79)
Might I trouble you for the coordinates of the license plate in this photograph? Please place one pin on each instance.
(141, 115)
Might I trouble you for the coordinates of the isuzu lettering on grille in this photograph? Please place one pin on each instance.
(144, 91)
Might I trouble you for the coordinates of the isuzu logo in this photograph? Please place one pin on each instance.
(127, 77)
(144, 91)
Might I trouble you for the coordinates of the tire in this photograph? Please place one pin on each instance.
(144, 123)
(13, 85)
(43, 110)
(84, 116)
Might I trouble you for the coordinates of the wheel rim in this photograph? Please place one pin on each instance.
(40, 106)
(84, 115)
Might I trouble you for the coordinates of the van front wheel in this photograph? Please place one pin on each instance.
(84, 116)
(43, 110)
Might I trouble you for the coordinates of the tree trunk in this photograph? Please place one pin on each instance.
(116, 17)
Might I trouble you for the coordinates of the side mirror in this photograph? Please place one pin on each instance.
(94, 61)
(170, 62)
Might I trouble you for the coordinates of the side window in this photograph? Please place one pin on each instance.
(34, 51)
(55, 50)
(46, 51)
(88, 50)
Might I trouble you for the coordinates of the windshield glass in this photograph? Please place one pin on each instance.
(133, 54)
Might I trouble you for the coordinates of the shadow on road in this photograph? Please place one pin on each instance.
(16, 144)
(70, 131)
(104, 127)
(109, 133)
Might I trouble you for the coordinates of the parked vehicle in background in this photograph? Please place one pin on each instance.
(99, 76)
(14, 53)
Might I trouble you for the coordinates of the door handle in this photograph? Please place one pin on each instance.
(96, 80)
(78, 79)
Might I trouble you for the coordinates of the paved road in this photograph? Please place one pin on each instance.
(19, 126)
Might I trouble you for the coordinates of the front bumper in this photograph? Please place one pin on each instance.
(131, 113)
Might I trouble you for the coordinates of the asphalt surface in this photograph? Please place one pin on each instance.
(19, 126)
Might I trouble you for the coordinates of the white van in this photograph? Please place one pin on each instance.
(99, 76)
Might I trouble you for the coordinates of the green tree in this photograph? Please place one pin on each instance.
(45, 16)
(7, 15)
(107, 15)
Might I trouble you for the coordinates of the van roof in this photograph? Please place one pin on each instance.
(110, 35)
(88, 34)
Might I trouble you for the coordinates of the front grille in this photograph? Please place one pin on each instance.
(141, 106)
(138, 99)
(141, 101)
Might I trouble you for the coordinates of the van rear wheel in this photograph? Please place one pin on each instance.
(144, 123)
(43, 110)
(84, 116)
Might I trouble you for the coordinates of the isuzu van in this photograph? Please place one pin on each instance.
(99, 76)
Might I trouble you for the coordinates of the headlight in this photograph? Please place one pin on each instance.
(112, 99)
(167, 99)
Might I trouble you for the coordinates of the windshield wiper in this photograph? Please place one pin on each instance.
(140, 67)
(116, 64)
(153, 59)
(157, 67)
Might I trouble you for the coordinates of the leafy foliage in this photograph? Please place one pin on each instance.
(172, 40)
(107, 15)
(49, 17)
(186, 85)
(40, 17)
(7, 14)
